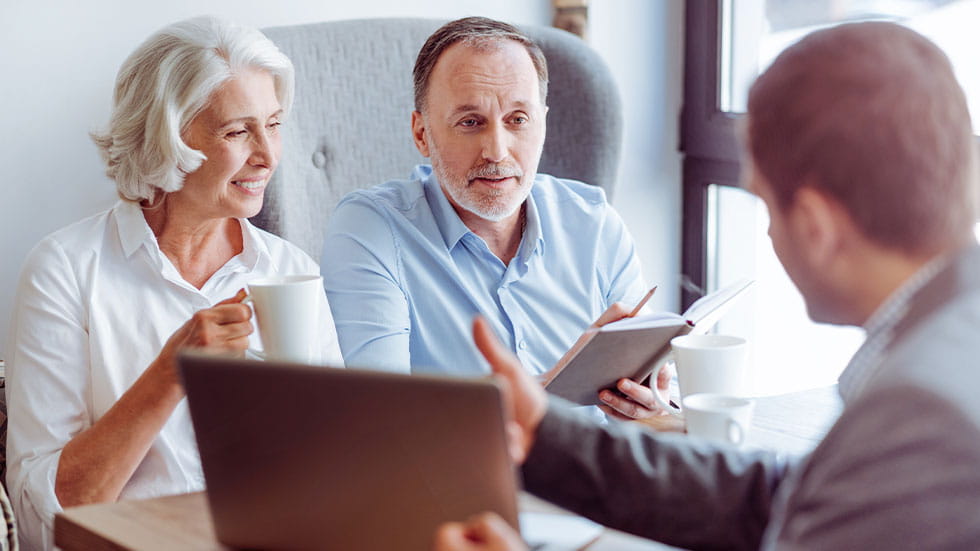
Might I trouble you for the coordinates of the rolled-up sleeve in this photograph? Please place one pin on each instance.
(47, 386)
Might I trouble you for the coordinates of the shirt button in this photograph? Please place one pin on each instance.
(319, 159)
(522, 345)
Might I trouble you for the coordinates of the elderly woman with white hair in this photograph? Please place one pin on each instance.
(104, 306)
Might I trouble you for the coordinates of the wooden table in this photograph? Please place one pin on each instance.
(184, 522)
(793, 423)
(165, 523)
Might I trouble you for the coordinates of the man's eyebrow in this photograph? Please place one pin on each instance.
(465, 108)
(519, 105)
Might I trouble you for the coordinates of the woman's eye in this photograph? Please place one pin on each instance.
(274, 125)
(468, 123)
(520, 119)
(236, 133)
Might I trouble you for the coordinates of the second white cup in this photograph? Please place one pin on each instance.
(718, 418)
(287, 312)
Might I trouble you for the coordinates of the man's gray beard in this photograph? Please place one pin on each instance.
(483, 205)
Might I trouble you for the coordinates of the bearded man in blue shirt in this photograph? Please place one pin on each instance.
(479, 231)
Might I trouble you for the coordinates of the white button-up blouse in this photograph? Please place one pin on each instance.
(96, 302)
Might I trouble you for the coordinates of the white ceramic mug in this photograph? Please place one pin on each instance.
(705, 363)
(287, 312)
(718, 417)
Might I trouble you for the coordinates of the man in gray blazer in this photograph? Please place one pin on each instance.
(860, 143)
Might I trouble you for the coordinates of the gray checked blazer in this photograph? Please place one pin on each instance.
(899, 470)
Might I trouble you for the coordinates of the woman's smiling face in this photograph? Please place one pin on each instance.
(238, 133)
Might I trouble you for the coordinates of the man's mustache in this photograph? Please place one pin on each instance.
(495, 171)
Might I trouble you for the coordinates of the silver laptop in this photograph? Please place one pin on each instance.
(301, 457)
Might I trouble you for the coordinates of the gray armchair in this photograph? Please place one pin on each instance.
(350, 127)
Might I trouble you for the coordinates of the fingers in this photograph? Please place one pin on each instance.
(516, 442)
(485, 532)
(222, 323)
(501, 360)
(451, 536)
(223, 313)
(501, 363)
(241, 295)
(623, 408)
(235, 336)
(615, 312)
(524, 400)
(494, 531)
(635, 402)
(225, 326)
(227, 312)
(664, 376)
(638, 393)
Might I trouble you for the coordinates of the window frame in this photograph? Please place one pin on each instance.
(708, 143)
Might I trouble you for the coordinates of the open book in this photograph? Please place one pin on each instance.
(635, 347)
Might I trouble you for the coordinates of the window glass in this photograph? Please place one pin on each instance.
(788, 352)
(754, 32)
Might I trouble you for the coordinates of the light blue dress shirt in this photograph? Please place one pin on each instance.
(405, 276)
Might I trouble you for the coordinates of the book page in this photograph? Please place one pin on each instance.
(709, 308)
(655, 319)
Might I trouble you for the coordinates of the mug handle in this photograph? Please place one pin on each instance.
(736, 434)
(664, 405)
(255, 353)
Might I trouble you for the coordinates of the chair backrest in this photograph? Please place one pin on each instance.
(350, 126)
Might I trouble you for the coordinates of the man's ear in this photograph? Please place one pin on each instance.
(822, 225)
(545, 129)
(420, 133)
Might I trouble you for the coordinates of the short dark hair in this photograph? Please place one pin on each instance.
(477, 31)
(872, 115)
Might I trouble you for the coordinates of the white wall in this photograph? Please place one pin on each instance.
(643, 43)
(58, 60)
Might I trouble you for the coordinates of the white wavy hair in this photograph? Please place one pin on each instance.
(164, 84)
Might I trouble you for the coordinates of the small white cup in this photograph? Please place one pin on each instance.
(718, 417)
(287, 312)
(705, 363)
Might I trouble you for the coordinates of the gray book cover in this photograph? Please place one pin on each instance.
(635, 347)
